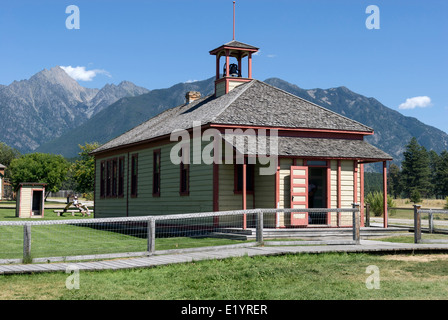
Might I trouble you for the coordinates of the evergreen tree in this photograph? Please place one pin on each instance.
(415, 170)
(442, 174)
(434, 167)
(394, 181)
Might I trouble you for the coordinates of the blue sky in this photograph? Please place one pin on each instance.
(313, 44)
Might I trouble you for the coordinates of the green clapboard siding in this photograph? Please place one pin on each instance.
(200, 198)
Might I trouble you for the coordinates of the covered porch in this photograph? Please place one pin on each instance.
(310, 173)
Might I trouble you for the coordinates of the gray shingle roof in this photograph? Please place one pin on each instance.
(309, 147)
(238, 44)
(254, 103)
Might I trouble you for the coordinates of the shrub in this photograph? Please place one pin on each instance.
(415, 196)
(375, 200)
(446, 204)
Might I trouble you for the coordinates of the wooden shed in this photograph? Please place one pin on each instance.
(30, 200)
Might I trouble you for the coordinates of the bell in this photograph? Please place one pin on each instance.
(234, 72)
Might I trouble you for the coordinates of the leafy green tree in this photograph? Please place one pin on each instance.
(40, 167)
(7, 154)
(84, 168)
(415, 169)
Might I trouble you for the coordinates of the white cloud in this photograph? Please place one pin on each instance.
(416, 102)
(191, 81)
(80, 73)
(271, 55)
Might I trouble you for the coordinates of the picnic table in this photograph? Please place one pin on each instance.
(80, 208)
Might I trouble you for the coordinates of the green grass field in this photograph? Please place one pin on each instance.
(290, 277)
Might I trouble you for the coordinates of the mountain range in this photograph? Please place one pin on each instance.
(51, 103)
(52, 113)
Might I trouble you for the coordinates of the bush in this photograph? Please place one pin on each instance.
(375, 200)
(446, 204)
(415, 196)
(88, 196)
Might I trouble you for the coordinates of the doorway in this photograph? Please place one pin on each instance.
(317, 194)
(36, 207)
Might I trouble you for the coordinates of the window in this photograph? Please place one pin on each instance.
(114, 177)
(316, 163)
(184, 178)
(103, 179)
(238, 188)
(134, 175)
(156, 173)
(108, 178)
(121, 177)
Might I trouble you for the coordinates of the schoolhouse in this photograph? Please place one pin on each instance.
(293, 153)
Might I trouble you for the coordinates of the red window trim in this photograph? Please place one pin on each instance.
(156, 175)
(182, 168)
(102, 179)
(235, 178)
(120, 182)
(134, 178)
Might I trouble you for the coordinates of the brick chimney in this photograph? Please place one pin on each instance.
(191, 96)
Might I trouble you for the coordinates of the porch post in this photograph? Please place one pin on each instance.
(215, 192)
(362, 193)
(385, 218)
(339, 196)
(217, 66)
(244, 194)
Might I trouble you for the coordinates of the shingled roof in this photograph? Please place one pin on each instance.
(307, 147)
(254, 104)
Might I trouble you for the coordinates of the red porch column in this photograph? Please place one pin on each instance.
(385, 217)
(244, 194)
(362, 193)
(249, 67)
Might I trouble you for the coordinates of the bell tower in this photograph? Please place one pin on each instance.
(232, 74)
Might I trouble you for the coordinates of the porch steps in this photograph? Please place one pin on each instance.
(308, 233)
(232, 236)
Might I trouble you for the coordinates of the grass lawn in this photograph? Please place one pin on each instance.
(70, 240)
(290, 277)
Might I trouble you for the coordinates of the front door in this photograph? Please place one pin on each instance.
(299, 195)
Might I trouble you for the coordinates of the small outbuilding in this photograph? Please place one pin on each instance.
(30, 200)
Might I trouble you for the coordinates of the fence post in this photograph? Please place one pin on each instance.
(356, 223)
(259, 237)
(431, 222)
(417, 224)
(151, 235)
(27, 243)
(367, 215)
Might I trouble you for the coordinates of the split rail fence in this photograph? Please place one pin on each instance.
(430, 225)
(84, 239)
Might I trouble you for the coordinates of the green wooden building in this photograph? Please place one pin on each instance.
(138, 173)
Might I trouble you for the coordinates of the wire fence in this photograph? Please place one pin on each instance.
(84, 239)
(430, 225)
